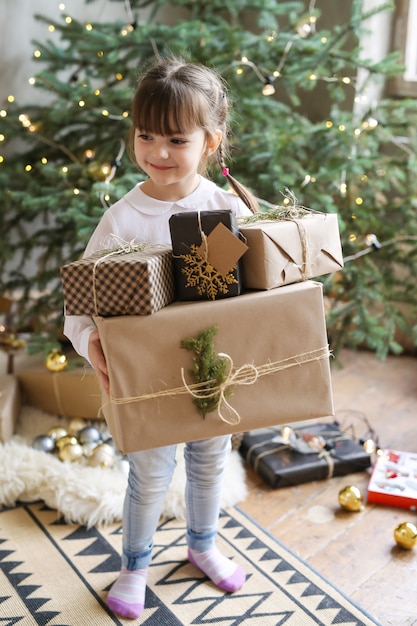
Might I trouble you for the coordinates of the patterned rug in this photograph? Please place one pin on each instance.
(54, 574)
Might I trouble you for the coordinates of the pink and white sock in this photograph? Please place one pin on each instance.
(127, 596)
(222, 571)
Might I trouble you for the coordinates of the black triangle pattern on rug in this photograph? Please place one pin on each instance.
(281, 590)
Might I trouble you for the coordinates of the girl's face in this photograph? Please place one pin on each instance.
(172, 162)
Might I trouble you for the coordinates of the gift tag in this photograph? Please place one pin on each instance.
(222, 249)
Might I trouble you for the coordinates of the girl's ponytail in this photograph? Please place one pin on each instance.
(243, 192)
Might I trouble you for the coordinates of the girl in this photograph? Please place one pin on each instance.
(180, 123)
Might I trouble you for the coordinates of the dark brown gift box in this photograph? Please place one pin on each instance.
(216, 275)
(282, 466)
(112, 283)
(281, 333)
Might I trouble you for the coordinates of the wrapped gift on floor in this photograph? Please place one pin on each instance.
(9, 405)
(394, 480)
(74, 393)
(274, 344)
(290, 250)
(206, 250)
(313, 452)
(111, 282)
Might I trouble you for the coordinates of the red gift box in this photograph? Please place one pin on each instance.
(394, 480)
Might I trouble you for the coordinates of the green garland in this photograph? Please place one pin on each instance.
(208, 367)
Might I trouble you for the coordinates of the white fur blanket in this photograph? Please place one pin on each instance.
(83, 494)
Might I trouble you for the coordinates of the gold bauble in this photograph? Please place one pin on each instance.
(103, 455)
(66, 440)
(56, 432)
(56, 361)
(351, 499)
(71, 452)
(406, 535)
(76, 425)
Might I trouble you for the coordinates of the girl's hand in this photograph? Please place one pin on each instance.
(98, 361)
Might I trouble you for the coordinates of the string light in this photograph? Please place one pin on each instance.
(268, 89)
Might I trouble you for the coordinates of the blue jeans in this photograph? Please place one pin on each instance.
(149, 477)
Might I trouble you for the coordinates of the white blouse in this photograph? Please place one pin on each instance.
(138, 218)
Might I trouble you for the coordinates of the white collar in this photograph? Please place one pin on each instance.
(150, 206)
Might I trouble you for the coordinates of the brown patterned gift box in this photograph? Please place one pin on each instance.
(112, 283)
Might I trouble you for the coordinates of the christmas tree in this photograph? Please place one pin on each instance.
(65, 159)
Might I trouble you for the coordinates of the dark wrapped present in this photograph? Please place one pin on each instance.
(206, 248)
(317, 452)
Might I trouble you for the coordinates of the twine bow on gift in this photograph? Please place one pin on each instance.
(244, 375)
(247, 374)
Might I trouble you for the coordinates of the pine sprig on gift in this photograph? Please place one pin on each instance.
(208, 367)
(202, 275)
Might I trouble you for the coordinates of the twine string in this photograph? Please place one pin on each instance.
(203, 236)
(244, 375)
(247, 374)
(293, 213)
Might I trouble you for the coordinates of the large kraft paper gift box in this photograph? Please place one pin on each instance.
(111, 282)
(280, 334)
(285, 251)
(73, 393)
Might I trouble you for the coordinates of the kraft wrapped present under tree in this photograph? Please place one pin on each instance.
(74, 393)
(115, 282)
(290, 249)
(206, 250)
(277, 355)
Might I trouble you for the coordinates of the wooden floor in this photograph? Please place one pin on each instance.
(355, 551)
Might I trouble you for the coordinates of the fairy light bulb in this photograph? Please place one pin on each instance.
(369, 446)
(268, 89)
(126, 30)
(372, 240)
(371, 123)
(286, 432)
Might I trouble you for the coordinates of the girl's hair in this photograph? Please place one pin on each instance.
(177, 96)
